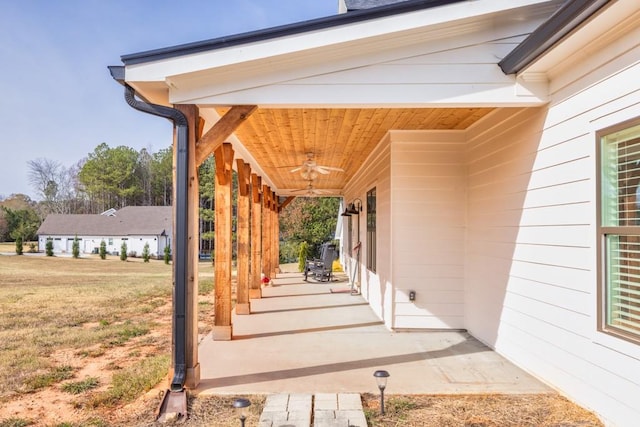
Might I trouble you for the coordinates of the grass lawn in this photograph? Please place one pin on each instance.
(93, 334)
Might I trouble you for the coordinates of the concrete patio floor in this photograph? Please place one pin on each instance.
(302, 338)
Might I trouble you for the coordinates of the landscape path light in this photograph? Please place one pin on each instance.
(242, 405)
(381, 379)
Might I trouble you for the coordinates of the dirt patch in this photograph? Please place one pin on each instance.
(537, 410)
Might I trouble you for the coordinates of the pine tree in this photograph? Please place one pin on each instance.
(19, 245)
(167, 254)
(145, 252)
(123, 251)
(48, 247)
(75, 248)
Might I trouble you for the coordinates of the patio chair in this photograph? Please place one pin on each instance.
(321, 268)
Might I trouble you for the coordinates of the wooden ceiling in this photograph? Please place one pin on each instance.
(279, 139)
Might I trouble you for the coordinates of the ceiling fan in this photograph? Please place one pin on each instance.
(310, 169)
(310, 191)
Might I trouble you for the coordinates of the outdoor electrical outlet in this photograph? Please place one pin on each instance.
(412, 295)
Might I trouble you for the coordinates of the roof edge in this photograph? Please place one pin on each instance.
(283, 30)
(566, 19)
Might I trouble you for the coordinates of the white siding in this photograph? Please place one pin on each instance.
(531, 274)
(428, 223)
(63, 244)
(376, 286)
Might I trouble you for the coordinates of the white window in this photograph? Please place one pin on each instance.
(620, 230)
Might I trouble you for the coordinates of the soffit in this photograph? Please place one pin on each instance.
(278, 139)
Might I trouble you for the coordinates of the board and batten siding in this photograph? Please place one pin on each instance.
(376, 287)
(532, 272)
(428, 192)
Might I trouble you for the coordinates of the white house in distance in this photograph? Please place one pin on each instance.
(490, 149)
(134, 225)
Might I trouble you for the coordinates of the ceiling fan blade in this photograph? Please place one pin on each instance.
(296, 169)
(331, 168)
(321, 169)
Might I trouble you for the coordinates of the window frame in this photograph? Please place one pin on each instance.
(371, 215)
(603, 231)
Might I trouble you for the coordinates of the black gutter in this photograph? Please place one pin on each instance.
(180, 255)
(284, 30)
(566, 19)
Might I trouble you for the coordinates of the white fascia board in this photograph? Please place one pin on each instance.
(360, 31)
(508, 94)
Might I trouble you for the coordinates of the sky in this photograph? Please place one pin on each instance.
(57, 99)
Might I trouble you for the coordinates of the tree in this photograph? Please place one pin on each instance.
(22, 223)
(123, 251)
(109, 178)
(309, 219)
(162, 177)
(48, 247)
(103, 250)
(54, 183)
(145, 252)
(75, 248)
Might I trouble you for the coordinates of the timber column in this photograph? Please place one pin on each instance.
(193, 248)
(222, 329)
(255, 291)
(242, 286)
(266, 230)
(275, 233)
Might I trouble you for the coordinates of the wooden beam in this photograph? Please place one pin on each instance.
(222, 329)
(255, 290)
(221, 130)
(191, 339)
(244, 177)
(286, 202)
(224, 163)
(244, 205)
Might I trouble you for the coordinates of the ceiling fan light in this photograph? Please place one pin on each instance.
(309, 175)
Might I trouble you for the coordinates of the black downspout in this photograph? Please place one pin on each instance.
(180, 255)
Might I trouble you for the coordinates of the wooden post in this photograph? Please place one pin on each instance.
(242, 287)
(222, 329)
(276, 235)
(275, 251)
(255, 290)
(266, 230)
(193, 197)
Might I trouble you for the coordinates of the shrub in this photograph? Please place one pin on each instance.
(32, 247)
(78, 387)
(103, 250)
(19, 245)
(145, 252)
(123, 251)
(75, 248)
(303, 253)
(167, 254)
(48, 247)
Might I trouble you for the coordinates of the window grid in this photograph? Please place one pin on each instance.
(620, 230)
